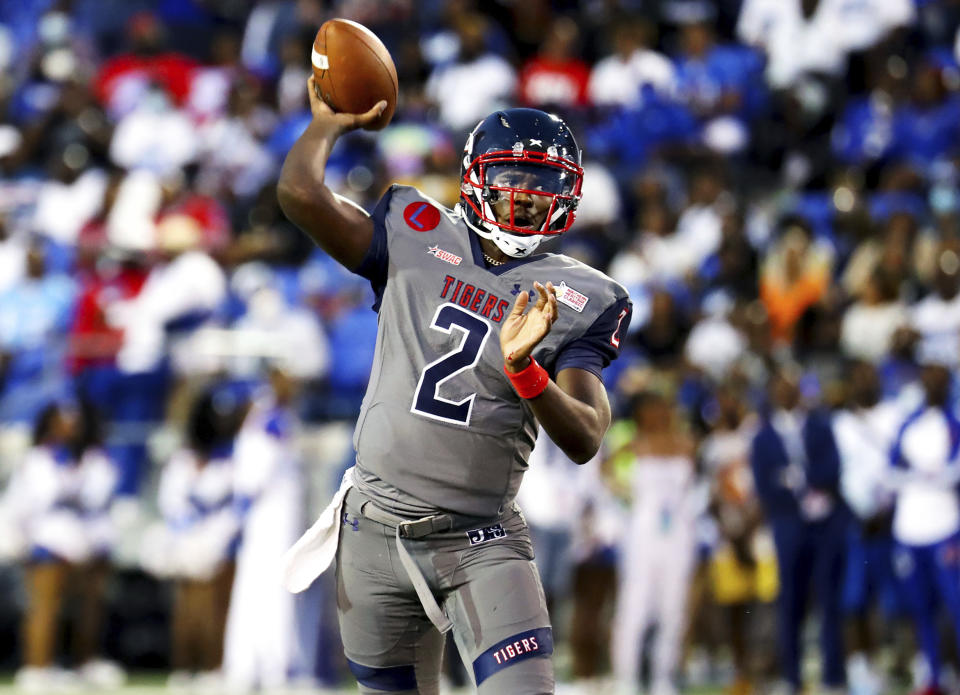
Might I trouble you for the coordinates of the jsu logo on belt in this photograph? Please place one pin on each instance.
(482, 535)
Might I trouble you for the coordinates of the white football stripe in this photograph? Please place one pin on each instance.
(319, 60)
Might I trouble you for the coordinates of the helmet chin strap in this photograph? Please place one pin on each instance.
(515, 246)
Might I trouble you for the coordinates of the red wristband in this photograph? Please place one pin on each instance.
(530, 381)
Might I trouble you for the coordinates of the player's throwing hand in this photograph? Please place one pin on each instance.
(343, 121)
(521, 332)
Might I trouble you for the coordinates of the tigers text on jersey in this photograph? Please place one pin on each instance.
(440, 421)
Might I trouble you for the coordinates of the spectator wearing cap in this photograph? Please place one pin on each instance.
(796, 470)
(926, 522)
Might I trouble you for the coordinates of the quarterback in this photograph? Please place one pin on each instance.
(479, 340)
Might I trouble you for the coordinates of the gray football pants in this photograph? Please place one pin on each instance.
(483, 578)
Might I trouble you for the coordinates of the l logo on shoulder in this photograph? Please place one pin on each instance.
(421, 216)
(569, 296)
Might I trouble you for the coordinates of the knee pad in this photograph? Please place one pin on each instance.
(390, 679)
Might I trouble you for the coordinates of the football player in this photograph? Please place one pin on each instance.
(479, 339)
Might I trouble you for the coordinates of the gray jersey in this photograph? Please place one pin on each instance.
(440, 422)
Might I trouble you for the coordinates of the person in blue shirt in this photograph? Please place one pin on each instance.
(34, 315)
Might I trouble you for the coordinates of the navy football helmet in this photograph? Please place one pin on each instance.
(521, 179)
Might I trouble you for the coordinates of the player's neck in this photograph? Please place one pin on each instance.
(492, 255)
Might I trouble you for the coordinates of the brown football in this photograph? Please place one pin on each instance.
(353, 70)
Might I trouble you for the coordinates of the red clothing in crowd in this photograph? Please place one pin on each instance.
(548, 82)
(93, 341)
(173, 71)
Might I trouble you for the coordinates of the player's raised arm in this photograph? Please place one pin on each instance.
(338, 226)
(574, 409)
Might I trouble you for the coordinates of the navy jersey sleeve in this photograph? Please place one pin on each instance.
(600, 345)
(374, 265)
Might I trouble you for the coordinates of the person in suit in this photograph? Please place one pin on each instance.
(796, 470)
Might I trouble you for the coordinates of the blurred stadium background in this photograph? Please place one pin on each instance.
(774, 181)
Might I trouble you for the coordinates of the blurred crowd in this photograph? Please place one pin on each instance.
(774, 181)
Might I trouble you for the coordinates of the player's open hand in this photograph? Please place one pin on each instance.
(344, 121)
(523, 330)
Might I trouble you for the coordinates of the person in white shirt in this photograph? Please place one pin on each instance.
(864, 431)
(259, 648)
(548, 495)
(815, 36)
(658, 549)
(59, 498)
(477, 83)
(870, 322)
(926, 522)
(196, 540)
(618, 79)
(936, 317)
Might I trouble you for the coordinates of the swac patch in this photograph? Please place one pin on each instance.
(569, 296)
(421, 216)
(482, 535)
(446, 256)
(524, 645)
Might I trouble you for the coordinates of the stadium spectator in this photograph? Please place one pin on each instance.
(936, 317)
(548, 495)
(742, 568)
(794, 276)
(177, 297)
(622, 78)
(259, 647)
(657, 550)
(865, 431)
(195, 543)
(60, 496)
(126, 80)
(593, 553)
(711, 81)
(796, 471)
(478, 81)
(555, 77)
(34, 314)
(870, 322)
(926, 518)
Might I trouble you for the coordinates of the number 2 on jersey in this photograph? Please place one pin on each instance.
(426, 399)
